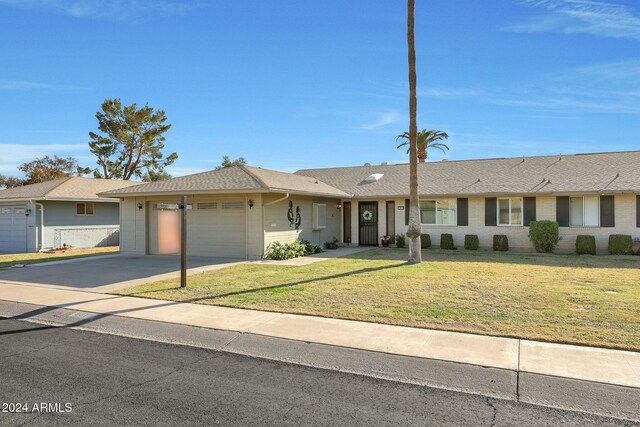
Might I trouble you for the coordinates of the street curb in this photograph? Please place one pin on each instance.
(538, 389)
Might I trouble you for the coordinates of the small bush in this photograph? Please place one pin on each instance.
(425, 241)
(500, 243)
(400, 241)
(471, 242)
(446, 241)
(280, 251)
(620, 244)
(544, 235)
(332, 244)
(585, 245)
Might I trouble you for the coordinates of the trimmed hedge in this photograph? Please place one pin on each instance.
(471, 242)
(620, 244)
(586, 245)
(446, 241)
(544, 235)
(500, 243)
(400, 241)
(425, 241)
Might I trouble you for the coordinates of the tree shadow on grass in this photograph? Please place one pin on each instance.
(280, 286)
(521, 258)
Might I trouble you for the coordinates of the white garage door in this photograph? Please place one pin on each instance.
(13, 229)
(215, 228)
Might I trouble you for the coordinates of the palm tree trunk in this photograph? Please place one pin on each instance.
(413, 233)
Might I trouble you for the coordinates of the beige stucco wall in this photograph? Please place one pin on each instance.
(278, 229)
(625, 220)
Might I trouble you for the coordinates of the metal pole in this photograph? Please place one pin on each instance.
(183, 243)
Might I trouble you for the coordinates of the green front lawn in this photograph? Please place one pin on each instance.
(561, 298)
(34, 258)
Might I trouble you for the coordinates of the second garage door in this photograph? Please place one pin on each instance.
(217, 228)
(13, 229)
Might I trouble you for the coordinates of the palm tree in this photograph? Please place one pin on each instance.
(413, 232)
(426, 139)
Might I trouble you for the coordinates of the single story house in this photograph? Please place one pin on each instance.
(239, 211)
(58, 213)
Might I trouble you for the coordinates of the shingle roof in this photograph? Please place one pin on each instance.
(72, 188)
(236, 178)
(596, 172)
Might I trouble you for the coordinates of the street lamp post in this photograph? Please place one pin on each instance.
(183, 243)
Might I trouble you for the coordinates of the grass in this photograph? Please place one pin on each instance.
(590, 300)
(7, 261)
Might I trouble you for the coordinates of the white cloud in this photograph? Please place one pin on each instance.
(384, 119)
(107, 9)
(20, 153)
(21, 84)
(593, 17)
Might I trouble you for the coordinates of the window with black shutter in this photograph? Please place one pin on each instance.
(407, 203)
(607, 211)
(562, 211)
(490, 211)
(529, 208)
(463, 212)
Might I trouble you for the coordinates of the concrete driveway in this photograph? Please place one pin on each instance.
(110, 272)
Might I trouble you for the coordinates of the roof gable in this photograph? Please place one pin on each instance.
(234, 179)
(71, 188)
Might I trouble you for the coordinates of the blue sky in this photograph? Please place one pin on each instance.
(299, 84)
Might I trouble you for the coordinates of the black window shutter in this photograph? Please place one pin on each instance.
(607, 211)
(407, 205)
(490, 211)
(463, 212)
(638, 211)
(529, 209)
(562, 211)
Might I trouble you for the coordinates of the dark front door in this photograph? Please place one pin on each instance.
(368, 223)
(391, 221)
(346, 222)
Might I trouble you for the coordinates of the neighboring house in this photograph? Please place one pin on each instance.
(239, 211)
(63, 212)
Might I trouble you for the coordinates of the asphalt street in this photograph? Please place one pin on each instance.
(88, 378)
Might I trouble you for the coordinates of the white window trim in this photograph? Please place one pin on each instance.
(584, 212)
(85, 208)
(455, 204)
(316, 216)
(521, 212)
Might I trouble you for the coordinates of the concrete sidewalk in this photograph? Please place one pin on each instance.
(613, 367)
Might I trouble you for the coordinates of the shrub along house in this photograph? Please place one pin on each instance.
(63, 212)
(238, 211)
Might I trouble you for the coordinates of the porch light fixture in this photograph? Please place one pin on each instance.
(140, 205)
(250, 204)
(339, 206)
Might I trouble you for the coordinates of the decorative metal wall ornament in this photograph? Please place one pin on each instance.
(298, 218)
(290, 214)
(294, 221)
(367, 215)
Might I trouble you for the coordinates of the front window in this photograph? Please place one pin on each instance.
(84, 209)
(438, 212)
(584, 211)
(510, 211)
